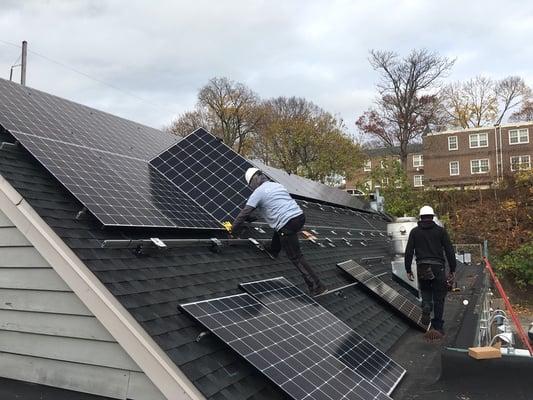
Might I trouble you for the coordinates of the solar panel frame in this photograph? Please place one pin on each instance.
(297, 365)
(402, 304)
(209, 171)
(326, 330)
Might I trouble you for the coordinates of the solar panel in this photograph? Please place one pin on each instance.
(297, 365)
(398, 301)
(208, 171)
(303, 187)
(326, 330)
(101, 159)
(118, 190)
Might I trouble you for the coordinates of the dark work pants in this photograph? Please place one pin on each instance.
(287, 239)
(433, 294)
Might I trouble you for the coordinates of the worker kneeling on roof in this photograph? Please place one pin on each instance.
(430, 242)
(282, 214)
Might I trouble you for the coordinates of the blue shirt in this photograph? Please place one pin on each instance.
(275, 204)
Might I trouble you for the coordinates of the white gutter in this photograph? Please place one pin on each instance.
(154, 362)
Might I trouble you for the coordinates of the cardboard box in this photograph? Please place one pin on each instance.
(484, 353)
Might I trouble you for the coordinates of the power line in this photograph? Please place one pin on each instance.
(63, 65)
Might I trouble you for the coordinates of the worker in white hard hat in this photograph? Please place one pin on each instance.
(282, 214)
(430, 242)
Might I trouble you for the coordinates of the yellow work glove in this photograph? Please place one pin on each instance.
(227, 225)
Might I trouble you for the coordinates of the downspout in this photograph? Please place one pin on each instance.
(496, 153)
(501, 152)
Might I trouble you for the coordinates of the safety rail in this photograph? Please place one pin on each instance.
(510, 311)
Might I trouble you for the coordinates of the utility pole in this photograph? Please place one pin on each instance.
(23, 63)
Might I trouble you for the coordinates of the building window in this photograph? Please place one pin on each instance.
(454, 168)
(479, 140)
(381, 164)
(368, 185)
(452, 143)
(520, 163)
(418, 180)
(479, 166)
(368, 166)
(518, 136)
(418, 160)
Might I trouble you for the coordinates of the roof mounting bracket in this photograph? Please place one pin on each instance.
(363, 243)
(201, 335)
(347, 242)
(260, 247)
(81, 213)
(159, 243)
(138, 251)
(216, 245)
(259, 229)
(330, 242)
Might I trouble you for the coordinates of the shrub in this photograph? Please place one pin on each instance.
(518, 264)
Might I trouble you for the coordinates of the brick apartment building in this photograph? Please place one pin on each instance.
(461, 158)
(476, 157)
(415, 166)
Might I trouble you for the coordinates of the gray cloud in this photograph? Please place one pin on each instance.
(163, 51)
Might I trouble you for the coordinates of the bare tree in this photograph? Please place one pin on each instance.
(407, 105)
(235, 107)
(191, 120)
(524, 114)
(511, 92)
(482, 101)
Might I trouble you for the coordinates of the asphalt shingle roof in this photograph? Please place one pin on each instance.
(152, 286)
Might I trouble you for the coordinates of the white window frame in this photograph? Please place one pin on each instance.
(367, 167)
(479, 166)
(518, 136)
(419, 162)
(476, 138)
(458, 168)
(456, 143)
(421, 177)
(520, 162)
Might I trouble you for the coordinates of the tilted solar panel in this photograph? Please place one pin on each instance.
(405, 306)
(297, 365)
(208, 171)
(326, 330)
(309, 189)
(101, 159)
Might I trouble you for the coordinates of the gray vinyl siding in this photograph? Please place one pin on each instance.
(48, 336)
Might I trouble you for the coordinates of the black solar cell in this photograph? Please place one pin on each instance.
(326, 330)
(293, 362)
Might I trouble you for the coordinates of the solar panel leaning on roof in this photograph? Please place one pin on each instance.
(327, 331)
(101, 159)
(401, 303)
(208, 171)
(307, 188)
(293, 362)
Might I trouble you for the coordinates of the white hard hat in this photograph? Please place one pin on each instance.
(426, 210)
(250, 172)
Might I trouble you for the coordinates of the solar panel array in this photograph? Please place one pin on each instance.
(101, 159)
(398, 301)
(208, 171)
(289, 359)
(327, 331)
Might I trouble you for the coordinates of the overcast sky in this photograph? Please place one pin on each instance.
(159, 53)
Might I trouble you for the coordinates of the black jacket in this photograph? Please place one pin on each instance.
(429, 242)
